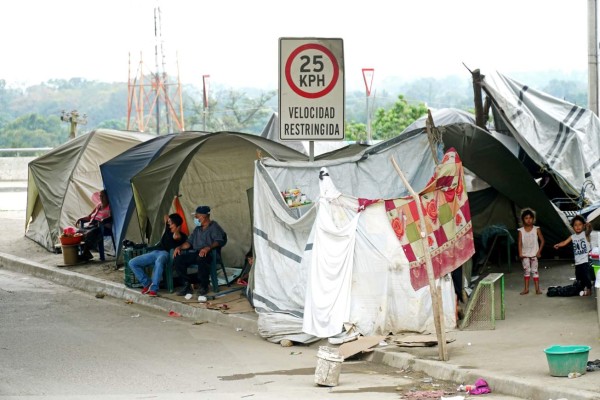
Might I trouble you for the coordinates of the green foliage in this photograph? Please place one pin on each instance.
(33, 130)
(355, 131)
(389, 123)
(230, 110)
(29, 116)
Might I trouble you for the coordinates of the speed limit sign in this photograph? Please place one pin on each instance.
(311, 89)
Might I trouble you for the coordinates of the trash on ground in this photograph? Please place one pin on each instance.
(174, 314)
(199, 322)
(593, 366)
(100, 295)
(480, 387)
(419, 341)
(128, 301)
(135, 316)
(286, 343)
(361, 345)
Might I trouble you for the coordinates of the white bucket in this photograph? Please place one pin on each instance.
(329, 366)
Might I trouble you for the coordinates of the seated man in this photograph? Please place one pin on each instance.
(171, 238)
(206, 236)
(90, 225)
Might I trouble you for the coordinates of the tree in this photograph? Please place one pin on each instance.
(231, 110)
(389, 123)
(33, 130)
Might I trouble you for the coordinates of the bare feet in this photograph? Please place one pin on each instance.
(587, 292)
(525, 292)
(538, 292)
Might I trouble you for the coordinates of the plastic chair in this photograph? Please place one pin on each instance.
(215, 260)
(103, 232)
(131, 281)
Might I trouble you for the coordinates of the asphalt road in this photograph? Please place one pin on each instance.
(61, 343)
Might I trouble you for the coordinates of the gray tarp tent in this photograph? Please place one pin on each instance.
(560, 137)
(62, 181)
(500, 184)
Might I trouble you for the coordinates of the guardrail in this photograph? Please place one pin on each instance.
(20, 152)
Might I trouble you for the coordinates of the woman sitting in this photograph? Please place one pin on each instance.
(93, 225)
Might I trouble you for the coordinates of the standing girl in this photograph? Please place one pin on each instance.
(531, 242)
(581, 248)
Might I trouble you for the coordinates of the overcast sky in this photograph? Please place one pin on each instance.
(236, 41)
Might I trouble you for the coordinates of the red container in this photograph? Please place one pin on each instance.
(71, 240)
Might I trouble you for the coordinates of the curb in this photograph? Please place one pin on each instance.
(245, 322)
(500, 384)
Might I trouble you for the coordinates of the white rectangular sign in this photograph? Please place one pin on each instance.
(311, 89)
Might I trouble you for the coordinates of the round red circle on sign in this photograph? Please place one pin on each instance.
(288, 72)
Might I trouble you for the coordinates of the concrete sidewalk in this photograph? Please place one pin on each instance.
(510, 357)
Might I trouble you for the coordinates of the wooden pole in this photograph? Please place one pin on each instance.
(438, 313)
(429, 125)
(479, 117)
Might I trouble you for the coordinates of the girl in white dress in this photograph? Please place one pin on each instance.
(531, 242)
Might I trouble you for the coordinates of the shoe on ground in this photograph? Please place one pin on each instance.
(86, 256)
(202, 291)
(146, 289)
(152, 293)
(186, 290)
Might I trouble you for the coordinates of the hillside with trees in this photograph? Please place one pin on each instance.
(30, 116)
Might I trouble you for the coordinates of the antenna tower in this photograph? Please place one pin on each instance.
(151, 98)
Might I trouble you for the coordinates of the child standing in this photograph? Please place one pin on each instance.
(581, 249)
(531, 242)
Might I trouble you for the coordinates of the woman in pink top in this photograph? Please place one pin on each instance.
(531, 242)
(90, 225)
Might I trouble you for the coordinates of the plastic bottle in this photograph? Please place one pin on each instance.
(465, 388)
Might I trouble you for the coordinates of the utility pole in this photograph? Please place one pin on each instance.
(74, 119)
(593, 56)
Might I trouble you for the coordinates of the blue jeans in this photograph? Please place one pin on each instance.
(157, 257)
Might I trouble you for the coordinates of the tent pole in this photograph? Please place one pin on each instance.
(436, 300)
(429, 125)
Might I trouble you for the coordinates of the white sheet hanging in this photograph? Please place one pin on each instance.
(328, 293)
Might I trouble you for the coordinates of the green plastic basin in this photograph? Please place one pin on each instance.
(562, 360)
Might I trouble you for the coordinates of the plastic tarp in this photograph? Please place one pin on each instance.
(62, 181)
(382, 299)
(559, 136)
(494, 175)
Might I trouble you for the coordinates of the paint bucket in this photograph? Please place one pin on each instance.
(329, 366)
(70, 254)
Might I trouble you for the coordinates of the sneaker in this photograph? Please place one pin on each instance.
(146, 289)
(187, 289)
(152, 293)
(202, 291)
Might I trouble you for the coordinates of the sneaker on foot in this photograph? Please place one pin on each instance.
(146, 289)
(187, 289)
(152, 293)
(202, 291)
